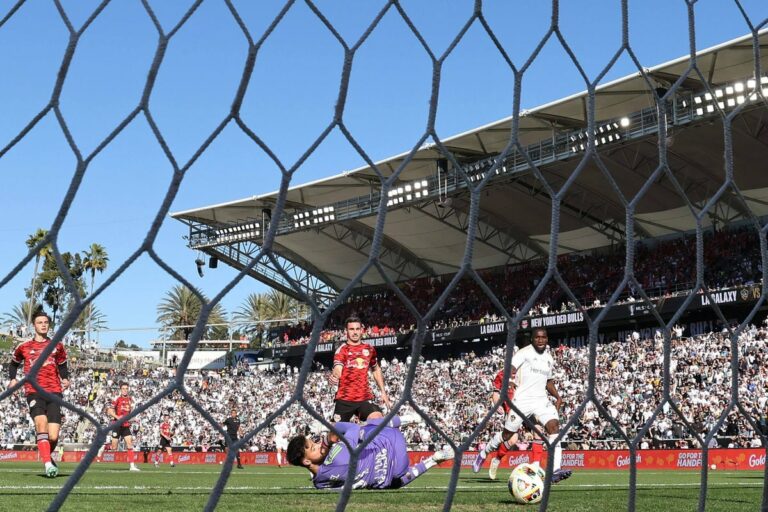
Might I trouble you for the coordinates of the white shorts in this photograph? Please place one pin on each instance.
(281, 443)
(543, 410)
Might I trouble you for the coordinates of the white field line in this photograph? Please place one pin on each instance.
(405, 489)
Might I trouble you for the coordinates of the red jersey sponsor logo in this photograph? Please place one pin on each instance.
(355, 361)
(48, 375)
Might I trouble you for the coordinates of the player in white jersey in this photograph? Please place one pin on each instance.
(282, 433)
(533, 367)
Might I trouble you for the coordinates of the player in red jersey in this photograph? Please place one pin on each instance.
(52, 377)
(504, 408)
(121, 407)
(165, 440)
(351, 364)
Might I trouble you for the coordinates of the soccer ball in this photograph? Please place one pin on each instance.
(526, 483)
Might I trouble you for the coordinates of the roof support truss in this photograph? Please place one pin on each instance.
(494, 236)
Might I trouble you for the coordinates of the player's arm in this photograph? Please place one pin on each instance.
(379, 378)
(111, 411)
(350, 431)
(338, 366)
(495, 398)
(61, 362)
(552, 390)
(13, 367)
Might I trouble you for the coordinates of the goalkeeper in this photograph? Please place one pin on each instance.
(383, 463)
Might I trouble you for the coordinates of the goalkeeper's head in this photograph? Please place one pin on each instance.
(303, 451)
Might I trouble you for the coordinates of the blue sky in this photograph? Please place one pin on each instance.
(290, 100)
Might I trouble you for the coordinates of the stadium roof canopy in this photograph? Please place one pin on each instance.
(326, 232)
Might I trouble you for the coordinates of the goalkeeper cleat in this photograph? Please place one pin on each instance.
(478, 462)
(446, 453)
(495, 463)
(51, 471)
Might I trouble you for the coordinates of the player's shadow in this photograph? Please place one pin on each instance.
(479, 479)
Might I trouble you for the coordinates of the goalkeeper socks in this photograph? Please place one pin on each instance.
(416, 471)
(558, 452)
(44, 446)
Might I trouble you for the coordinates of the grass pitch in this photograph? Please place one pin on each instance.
(111, 488)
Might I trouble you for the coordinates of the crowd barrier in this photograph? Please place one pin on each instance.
(726, 459)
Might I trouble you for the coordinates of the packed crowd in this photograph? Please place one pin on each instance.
(455, 393)
(662, 268)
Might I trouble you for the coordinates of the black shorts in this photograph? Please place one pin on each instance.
(164, 443)
(39, 406)
(234, 440)
(344, 410)
(121, 432)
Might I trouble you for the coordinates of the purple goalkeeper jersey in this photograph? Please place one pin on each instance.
(383, 460)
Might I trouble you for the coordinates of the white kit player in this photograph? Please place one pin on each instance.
(533, 367)
(282, 433)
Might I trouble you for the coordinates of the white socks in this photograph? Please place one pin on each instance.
(557, 452)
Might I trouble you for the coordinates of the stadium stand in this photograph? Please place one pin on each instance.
(628, 384)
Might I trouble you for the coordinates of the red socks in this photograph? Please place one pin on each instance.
(502, 451)
(43, 446)
(538, 450)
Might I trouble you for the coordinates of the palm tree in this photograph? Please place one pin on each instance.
(251, 313)
(21, 313)
(91, 318)
(280, 306)
(94, 260)
(180, 309)
(45, 253)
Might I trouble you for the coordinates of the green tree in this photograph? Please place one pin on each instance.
(21, 313)
(44, 253)
(95, 259)
(179, 311)
(55, 294)
(250, 315)
(92, 318)
(280, 306)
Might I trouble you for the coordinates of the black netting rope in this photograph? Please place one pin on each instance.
(320, 318)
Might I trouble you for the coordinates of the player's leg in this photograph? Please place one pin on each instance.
(501, 452)
(53, 413)
(237, 454)
(422, 467)
(552, 427)
(537, 446)
(38, 409)
(107, 444)
(53, 438)
(128, 439)
(368, 411)
(169, 451)
(43, 445)
(511, 426)
(343, 411)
